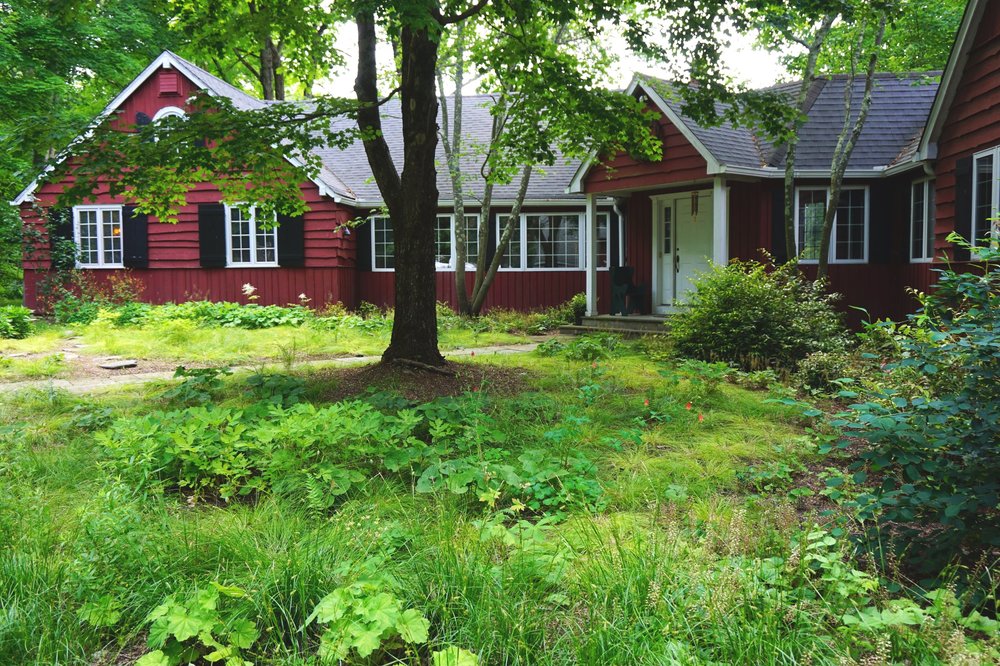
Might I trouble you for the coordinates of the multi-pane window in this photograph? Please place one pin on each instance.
(442, 241)
(922, 221)
(603, 239)
(849, 240)
(99, 235)
(512, 257)
(383, 246)
(986, 194)
(552, 241)
(249, 243)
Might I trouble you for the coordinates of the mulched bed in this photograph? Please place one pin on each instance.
(417, 384)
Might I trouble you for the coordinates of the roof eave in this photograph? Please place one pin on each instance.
(949, 79)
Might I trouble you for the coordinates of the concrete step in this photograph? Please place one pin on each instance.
(627, 325)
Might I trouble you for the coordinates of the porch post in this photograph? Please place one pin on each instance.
(590, 239)
(720, 221)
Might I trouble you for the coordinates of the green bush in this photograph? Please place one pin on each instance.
(756, 316)
(73, 309)
(933, 444)
(820, 370)
(314, 455)
(15, 322)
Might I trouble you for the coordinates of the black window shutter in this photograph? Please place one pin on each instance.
(880, 243)
(363, 244)
(135, 238)
(963, 204)
(212, 235)
(60, 224)
(778, 225)
(291, 241)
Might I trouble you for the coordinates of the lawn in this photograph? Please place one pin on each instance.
(584, 505)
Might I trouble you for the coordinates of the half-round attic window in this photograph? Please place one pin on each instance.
(168, 111)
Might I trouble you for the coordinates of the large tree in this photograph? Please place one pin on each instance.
(60, 63)
(237, 150)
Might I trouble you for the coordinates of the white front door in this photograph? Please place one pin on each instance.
(683, 245)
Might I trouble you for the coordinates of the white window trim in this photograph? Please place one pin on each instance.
(929, 219)
(994, 232)
(100, 236)
(371, 220)
(452, 259)
(522, 231)
(831, 259)
(168, 111)
(253, 240)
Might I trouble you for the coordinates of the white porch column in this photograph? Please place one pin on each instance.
(590, 238)
(720, 221)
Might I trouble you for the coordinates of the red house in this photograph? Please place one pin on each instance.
(717, 193)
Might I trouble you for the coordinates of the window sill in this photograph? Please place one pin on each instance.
(274, 265)
(101, 266)
(921, 260)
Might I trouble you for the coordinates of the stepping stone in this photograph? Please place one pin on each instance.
(118, 365)
(18, 355)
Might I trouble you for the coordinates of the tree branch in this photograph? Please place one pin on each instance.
(458, 18)
(369, 119)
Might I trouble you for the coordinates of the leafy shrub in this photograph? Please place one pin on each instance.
(283, 389)
(757, 316)
(363, 617)
(934, 445)
(15, 322)
(820, 370)
(315, 455)
(186, 630)
(131, 314)
(591, 348)
(73, 309)
(199, 385)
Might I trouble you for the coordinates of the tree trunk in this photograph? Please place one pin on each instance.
(848, 139)
(266, 70)
(411, 196)
(808, 76)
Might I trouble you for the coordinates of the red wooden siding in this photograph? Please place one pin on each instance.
(681, 162)
(514, 290)
(152, 95)
(973, 121)
(749, 219)
(275, 286)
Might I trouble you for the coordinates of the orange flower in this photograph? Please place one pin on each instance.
(688, 406)
(646, 402)
(701, 417)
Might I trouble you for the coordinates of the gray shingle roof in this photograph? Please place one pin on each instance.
(900, 107)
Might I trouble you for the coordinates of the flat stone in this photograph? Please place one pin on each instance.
(68, 355)
(118, 365)
(17, 355)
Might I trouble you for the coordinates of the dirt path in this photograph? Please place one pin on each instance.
(89, 384)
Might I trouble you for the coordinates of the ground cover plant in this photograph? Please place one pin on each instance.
(202, 332)
(599, 508)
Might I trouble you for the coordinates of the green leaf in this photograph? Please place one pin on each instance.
(230, 591)
(413, 626)
(454, 656)
(243, 633)
(154, 658)
(332, 607)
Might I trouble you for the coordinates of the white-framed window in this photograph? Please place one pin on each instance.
(247, 244)
(383, 247)
(922, 221)
(383, 244)
(985, 195)
(97, 231)
(555, 241)
(168, 111)
(849, 240)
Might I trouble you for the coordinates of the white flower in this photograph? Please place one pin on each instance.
(249, 289)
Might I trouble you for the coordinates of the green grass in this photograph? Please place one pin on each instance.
(672, 571)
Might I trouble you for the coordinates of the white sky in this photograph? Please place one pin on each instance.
(744, 62)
